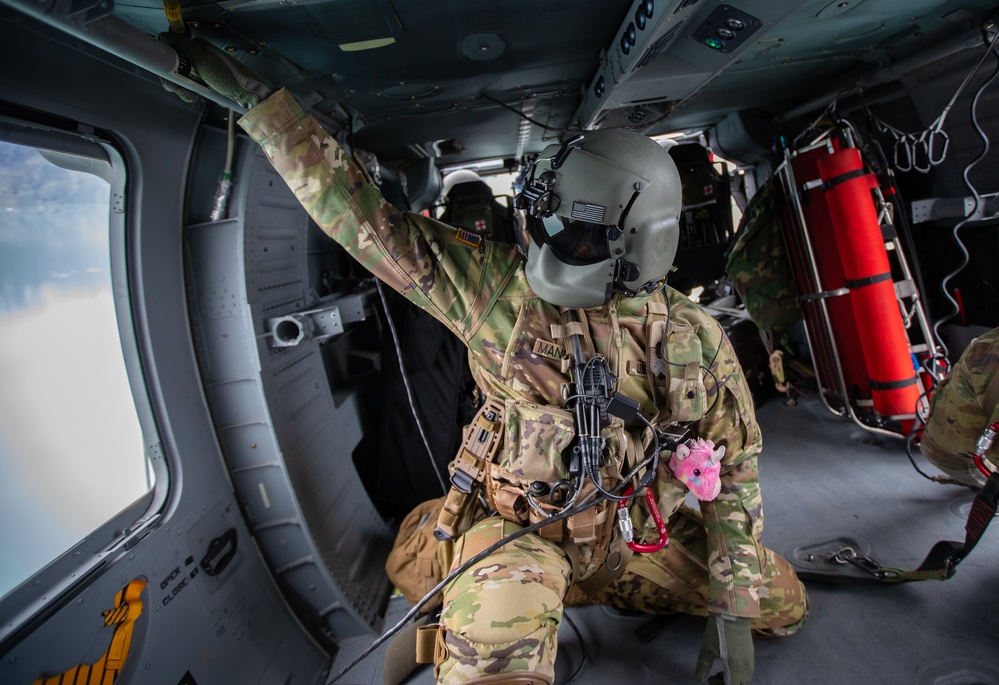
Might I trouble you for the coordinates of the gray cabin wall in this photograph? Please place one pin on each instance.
(233, 626)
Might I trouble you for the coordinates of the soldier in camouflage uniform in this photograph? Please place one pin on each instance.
(501, 616)
(963, 405)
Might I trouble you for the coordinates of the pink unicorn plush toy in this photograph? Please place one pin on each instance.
(698, 466)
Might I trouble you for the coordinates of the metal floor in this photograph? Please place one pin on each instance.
(824, 480)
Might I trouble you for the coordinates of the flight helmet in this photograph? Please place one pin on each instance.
(455, 178)
(603, 213)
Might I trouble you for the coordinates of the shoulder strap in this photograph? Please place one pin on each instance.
(573, 322)
(656, 324)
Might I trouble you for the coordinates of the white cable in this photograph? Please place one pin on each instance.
(955, 308)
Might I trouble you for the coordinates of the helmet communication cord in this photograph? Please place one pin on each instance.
(593, 401)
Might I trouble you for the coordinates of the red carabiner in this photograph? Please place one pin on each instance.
(650, 502)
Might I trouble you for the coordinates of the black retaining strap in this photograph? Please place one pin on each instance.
(891, 385)
(870, 280)
(944, 557)
(843, 178)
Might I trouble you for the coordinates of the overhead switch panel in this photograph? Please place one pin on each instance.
(726, 29)
(649, 27)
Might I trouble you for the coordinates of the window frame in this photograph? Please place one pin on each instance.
(40, 593)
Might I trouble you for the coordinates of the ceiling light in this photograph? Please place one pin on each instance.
(366, 44)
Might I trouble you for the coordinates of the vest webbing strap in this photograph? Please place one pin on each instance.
(656, 324)
(561, 332)
(607, 573)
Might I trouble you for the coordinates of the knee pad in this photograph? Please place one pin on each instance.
(464, 658)
(502, 614)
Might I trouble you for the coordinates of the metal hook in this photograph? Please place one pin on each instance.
(937, 134)
(848, 555)
(901, 147)
(842, 556)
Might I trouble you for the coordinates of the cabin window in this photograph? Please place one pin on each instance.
(71, 449)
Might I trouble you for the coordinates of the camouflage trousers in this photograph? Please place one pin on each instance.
(502, 614)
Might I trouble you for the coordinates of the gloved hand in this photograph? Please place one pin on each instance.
(729, 640)
(219, 71)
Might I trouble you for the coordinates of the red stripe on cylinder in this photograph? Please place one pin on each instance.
(862, 252)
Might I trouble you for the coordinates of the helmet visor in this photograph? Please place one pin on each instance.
(574, 242)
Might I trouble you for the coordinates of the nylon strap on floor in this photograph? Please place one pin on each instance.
(944, 557)
(940, 563)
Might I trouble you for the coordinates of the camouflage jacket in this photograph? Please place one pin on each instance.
(962, 407)
(482, 296)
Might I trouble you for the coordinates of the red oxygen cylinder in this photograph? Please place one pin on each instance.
(885, 345)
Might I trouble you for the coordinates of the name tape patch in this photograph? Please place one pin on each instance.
(551, 350)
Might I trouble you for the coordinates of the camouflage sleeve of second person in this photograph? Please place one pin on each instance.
(413, 254)
(966, 402)
(734, 520)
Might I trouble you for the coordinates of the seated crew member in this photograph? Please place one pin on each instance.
(603, 214)
(964, 404)
(469, 203)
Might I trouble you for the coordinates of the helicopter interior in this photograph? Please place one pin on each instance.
(292, 410)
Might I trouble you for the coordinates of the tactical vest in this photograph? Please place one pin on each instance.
(513, 456)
